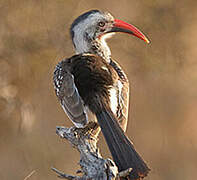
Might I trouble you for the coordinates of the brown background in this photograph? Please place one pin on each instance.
(34, 36)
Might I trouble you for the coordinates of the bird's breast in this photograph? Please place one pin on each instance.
(113, 99)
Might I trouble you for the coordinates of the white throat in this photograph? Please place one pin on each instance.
(98, 46)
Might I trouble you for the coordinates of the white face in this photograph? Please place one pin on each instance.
(88, 30)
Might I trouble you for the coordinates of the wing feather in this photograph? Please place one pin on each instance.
(68, 94)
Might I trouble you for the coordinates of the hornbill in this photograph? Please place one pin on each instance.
(91, 86)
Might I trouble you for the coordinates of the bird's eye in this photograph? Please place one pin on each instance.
(101, 24)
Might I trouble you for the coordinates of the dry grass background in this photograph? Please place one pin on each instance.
(34, 36)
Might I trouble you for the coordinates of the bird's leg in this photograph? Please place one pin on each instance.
(89, 130)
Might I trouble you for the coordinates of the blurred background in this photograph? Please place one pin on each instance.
(34, 36)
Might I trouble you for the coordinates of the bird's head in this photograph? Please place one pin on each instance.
(90, 30)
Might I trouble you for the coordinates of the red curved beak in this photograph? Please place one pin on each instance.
(121, 26)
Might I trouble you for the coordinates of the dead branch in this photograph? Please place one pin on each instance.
(93, 166)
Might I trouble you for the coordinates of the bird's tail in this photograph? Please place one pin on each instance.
(122, 150)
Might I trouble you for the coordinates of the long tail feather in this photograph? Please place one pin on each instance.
(122, 150)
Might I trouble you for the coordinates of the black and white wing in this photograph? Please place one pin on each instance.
(68, 94)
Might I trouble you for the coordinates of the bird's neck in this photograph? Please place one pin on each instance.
(97, 46)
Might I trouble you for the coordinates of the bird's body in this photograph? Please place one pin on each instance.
(105, 80)
(93, 87)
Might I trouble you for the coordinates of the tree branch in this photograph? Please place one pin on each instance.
(93, 166)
